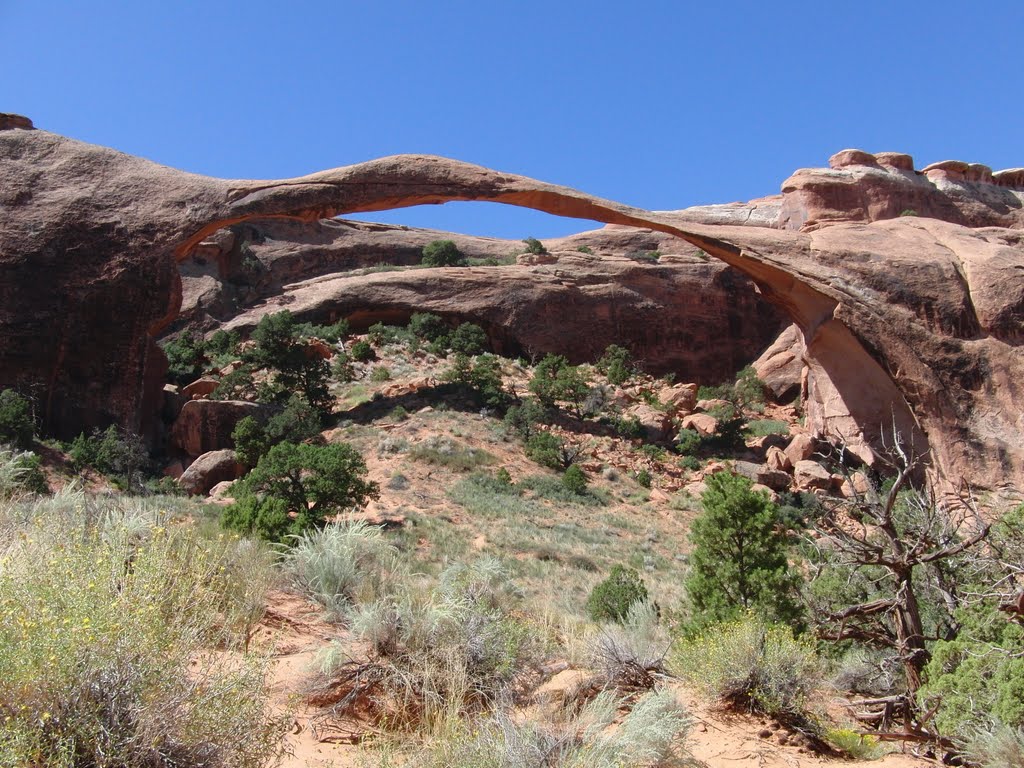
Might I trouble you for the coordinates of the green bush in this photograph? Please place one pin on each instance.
(551, 451)
(380, 374)
(186, 356)
(575, 480)
(428, 327)
(295, 422)
(361, 351)
(554, 379)
(739, 561)
(296, 487)
(752, 666)
(856, 745)
(443, 253)
(112, 654)
(117, 454)
(644, 478)
(586, 249)
(762, 427)
(523, 419)
(280, 346)
(468, 339)
(615, 365)
(535, 246)
(481, 376)
(611, 599)
(16, 426)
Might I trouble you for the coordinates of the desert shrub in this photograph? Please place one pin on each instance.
(361, 351)
(105, 653)
(586, 249)
(554, 489)
(296, 487)
(691, 463)
(445, 452)
(535, 246)
(996, 745)
(443, 253)
(650, 257)
(629, 656)
(644, 478)
(554, 380)
(630, 429)
(342, 564)
(295, 422)
(118, 454)
(612, 598)
(380, 374)
(739, 560)
(551, 451)
(428, 327)
(341, 366)
(382, 334)
(454, 648)
(489, 496)
(615, 364)
(748, 390)
(468, 339)
(752, 666)
(185, 358)
(762, 427)
(399, 413)
(574, 480)
(651, 734)
(20, 473)
(16, 426)
(908, 212)
(857, 745)
(481, 376)
(523, 419)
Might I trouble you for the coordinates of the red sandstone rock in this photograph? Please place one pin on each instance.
(200, 388)
(700, 422)
(800, 448)
(679, 398)
(206, 425)
(781, 366)
(777, 459)
(897, 337)
(810, 475)
(210, 469)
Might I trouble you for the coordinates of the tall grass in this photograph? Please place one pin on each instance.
(343, 564)
(652, 734)
(122, 640)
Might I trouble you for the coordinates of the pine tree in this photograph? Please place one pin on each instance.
(739, 560)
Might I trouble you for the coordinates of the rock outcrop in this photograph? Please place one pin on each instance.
(910, 323)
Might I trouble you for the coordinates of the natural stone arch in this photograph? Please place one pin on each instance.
(89, 239)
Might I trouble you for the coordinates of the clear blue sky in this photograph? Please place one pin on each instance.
(656, 104)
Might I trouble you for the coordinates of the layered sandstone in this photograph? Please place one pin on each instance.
(910, 322)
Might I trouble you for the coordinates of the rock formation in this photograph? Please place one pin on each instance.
(909, 321)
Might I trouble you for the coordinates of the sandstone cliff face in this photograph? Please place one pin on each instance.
(687, 316)
(909, 320)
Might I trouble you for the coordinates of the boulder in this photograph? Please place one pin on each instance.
(801, 448)
(810, 475)
(222, 491)
(781, 366)
(206, 425)
(210, 469)
(679, 398)
(700, 422)
(657, 424)
(776, 459)
(712, 404)
(762, 475)
(200, 388)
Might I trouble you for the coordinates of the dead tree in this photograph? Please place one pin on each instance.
(899, 544)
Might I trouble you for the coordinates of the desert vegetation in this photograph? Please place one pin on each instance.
(425, 524)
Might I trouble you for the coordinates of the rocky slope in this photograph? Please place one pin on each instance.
(910, 321)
